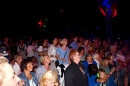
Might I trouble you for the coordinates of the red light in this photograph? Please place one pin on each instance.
(102, 11)
(40, 23)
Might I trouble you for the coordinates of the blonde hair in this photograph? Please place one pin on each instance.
(3, 60)
(103, 62)
(17, 56)
(49, 76)
(62, 41)
(42, 57)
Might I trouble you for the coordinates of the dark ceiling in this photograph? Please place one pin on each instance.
(23, 16)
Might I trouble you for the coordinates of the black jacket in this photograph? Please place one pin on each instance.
(74, 76)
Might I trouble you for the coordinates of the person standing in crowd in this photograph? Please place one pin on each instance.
(62, 53)
(52, 53)
(109, 73)
(22, 48)
(74, 74)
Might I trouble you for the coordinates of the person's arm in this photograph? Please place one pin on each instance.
(15, 70)
(68, 78)
(110, 73)
(101, 80)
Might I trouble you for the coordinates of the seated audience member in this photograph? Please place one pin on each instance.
(49, 78)
(45, 60)
(27, 76)
(16, 66)
(7, 76)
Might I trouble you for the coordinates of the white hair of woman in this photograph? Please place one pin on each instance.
(96, 58)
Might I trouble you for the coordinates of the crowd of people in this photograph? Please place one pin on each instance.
(74, 61)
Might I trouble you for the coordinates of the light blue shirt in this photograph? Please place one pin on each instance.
(40, 71)
(74, 45)
(63, 54)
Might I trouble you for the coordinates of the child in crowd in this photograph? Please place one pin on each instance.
(102, 75)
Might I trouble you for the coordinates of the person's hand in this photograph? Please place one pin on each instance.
(21, 83)
(63, 59)
(113, 69)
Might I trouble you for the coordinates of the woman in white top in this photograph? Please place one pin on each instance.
(52, 52)
(16, 66)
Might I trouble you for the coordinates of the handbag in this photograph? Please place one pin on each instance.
(57, 63)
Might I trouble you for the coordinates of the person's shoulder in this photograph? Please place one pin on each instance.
(84, 62)
(94, 62)
(39, 67)
(21, 75)
(33, 73)
(15, 65)
(68, 69)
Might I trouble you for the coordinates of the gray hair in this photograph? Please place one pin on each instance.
(95, 55)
